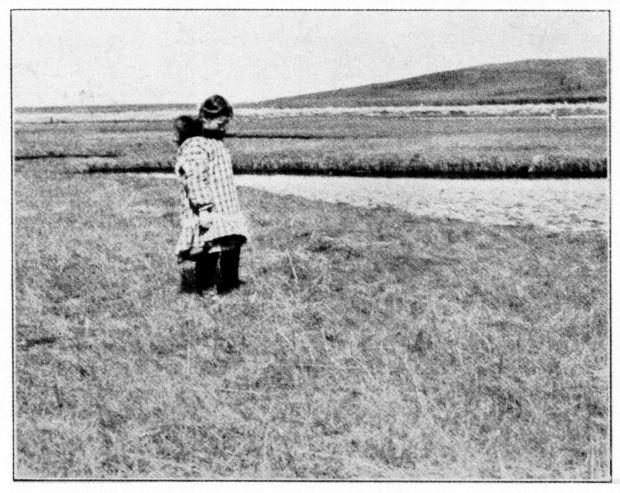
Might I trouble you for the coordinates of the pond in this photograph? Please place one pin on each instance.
(555, 204)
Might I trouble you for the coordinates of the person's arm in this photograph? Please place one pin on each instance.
(193, 168)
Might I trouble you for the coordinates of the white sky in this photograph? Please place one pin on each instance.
(110, 57)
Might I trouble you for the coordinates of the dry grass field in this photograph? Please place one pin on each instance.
(366, 343)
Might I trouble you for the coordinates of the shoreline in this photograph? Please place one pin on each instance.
(554, 205)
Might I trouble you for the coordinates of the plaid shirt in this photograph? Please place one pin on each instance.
(205, 169)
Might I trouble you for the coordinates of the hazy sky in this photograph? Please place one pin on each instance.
(108, 57)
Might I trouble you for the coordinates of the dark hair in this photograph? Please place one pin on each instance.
(186, 127)
(215, 106)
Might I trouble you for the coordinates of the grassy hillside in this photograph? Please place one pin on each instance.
(529, 81)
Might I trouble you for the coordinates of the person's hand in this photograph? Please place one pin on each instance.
(204, 218)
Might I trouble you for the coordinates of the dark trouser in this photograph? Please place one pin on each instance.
(219, 270)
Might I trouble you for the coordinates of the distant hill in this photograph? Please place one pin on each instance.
(529, 81)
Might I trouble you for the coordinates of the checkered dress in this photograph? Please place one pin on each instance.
(205, 169)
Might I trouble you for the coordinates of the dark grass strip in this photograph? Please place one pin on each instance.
(288, 136)
(54, 155)
(520, 172)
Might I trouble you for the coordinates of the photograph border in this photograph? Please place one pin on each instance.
(305, 480)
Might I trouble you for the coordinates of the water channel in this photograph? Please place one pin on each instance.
(555, 204)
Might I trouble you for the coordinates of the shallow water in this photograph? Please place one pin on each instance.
(573, 110)
(555, 204)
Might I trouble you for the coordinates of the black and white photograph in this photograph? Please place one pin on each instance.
(310, 245)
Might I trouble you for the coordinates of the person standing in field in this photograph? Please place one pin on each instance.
(213, 227)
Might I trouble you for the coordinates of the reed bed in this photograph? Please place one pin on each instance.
(353, 145)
